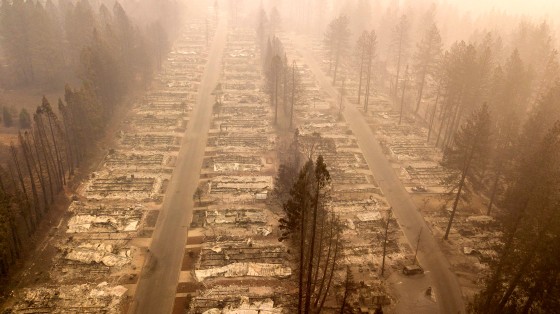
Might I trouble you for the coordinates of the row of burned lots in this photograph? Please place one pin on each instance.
(99, 250)
(233, 260)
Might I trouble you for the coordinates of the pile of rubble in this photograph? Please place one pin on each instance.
(84, 298)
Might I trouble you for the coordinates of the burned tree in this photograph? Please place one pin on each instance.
(314, 232)
(525, 276)
(297, 91)
(361, 50)
(467, 157)
(371, 45)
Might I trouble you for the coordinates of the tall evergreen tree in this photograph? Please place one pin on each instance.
(525, 277)
(426, 59)
(401, 44)
(336, 41)
(370, 57)
(314, 232)
(467, 157)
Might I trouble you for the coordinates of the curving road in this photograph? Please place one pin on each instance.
(156, 288)
(446, 286)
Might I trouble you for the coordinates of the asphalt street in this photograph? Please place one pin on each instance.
(156, 288)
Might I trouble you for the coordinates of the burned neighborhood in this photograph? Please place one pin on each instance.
(240, 156)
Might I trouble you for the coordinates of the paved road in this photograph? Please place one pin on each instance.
(156, 289)
(438, 274)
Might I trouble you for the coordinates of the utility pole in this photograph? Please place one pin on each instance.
(385, 241)
(403, 91)
(418, 245)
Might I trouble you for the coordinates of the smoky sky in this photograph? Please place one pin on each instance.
(540, 8)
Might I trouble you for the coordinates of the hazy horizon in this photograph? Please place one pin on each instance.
(536, 8)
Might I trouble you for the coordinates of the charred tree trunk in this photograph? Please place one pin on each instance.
(40, 152)
(312, 249)
(36, 205)
(42, 175)
(24, 205)
(495, 187)
(507, 248)
(301, 258)
(60, 167)
(331, 274)
(336, 65)
(38, 170)
(464, 174)
(319, 254)
(368, 80)
(522, 269)
(69, 148)
(346, 288)
(325, 270)
(420, 91)
(430, 128)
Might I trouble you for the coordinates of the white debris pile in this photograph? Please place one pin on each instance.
(247, 307)
(369, 216)
(89, 223)
(244, 270)
(115, 185)
(89, 253)
(101, 298)
(252, 216)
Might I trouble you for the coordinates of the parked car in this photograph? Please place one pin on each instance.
(410, 270)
